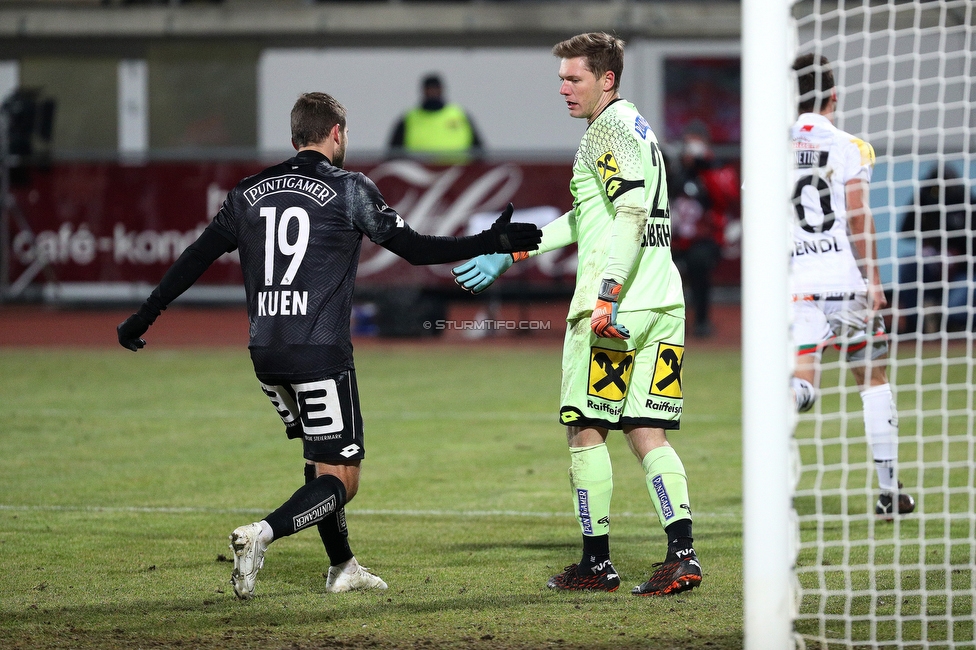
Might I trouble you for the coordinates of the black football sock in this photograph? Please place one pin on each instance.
(596, 551)
(333, 531)
(312, 503)
(679, 538)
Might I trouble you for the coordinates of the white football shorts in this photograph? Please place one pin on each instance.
(841, 320)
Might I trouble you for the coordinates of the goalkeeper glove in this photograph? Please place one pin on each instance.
(478, 273)
(507, 237)
(604, 320)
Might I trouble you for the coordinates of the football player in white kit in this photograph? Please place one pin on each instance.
(836, 287)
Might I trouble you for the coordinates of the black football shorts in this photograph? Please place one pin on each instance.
(325, 414)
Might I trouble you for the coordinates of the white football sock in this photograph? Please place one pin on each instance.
(267, 535)
(881, 426)
(804, 394)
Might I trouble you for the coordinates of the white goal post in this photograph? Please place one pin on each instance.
(766, 366)
(821, 569)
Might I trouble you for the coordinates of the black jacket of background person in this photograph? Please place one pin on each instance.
(299, 271)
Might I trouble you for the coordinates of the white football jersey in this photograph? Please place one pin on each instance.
(826, 158)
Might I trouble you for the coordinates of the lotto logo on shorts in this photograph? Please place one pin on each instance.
(610, 372)
(349, 451)
(667, 371)
(568, 415)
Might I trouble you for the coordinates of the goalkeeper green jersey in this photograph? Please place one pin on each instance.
(619, 164)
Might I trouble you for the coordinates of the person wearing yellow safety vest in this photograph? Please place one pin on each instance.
(436, 130)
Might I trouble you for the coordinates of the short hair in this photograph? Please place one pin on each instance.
(815, 81)
(313, 116)
(600, 51)
(432, 81)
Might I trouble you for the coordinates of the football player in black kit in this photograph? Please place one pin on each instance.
(298, 227)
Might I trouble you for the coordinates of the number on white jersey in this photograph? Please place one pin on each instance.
(816, 191)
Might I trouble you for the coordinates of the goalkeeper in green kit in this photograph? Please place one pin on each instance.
(624, 345)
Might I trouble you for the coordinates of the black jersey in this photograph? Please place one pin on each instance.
(299, 228)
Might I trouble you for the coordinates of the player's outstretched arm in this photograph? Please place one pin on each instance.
(507, 237)
(479, 273)
(503, 237)
(186, 270)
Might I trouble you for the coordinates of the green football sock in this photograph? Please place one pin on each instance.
(667, 485)
(591, 476)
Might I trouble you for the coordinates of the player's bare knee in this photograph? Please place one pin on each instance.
(351, 489)
(347, 473)
(585, 436)
(642, 439)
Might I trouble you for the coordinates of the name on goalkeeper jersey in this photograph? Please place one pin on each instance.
(310, 187)
(282, 303)
(656, 234)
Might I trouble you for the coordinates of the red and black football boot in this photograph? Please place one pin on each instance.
(673, 576)
(602, 577)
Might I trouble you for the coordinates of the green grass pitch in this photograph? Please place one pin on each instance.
(122, 474)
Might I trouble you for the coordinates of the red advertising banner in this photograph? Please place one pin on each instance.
(110, 223)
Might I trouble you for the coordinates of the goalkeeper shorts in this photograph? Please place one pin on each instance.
(841, 320)
(325, 414)
(610, 383)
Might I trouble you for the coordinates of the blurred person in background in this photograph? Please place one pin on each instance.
(834, 281)
(704, 196)
(298, 227)
(440, 131)
(944, 253)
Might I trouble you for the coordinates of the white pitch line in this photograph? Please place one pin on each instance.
(366, 512)
(427, 416)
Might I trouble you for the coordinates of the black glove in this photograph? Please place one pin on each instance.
(131, 330)
(507, 237)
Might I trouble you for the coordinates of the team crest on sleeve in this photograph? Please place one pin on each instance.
(667, 371)
(610, 372)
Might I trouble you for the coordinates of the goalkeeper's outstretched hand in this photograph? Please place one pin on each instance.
(604, 320)
(507, 237)
(130, 332)
(478, 273)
